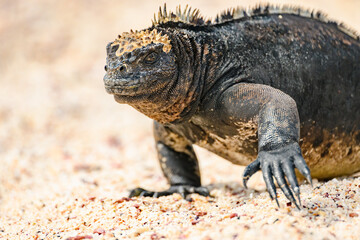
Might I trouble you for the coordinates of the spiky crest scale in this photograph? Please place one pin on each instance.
(129, 41)
(194, 18)
(187, 16)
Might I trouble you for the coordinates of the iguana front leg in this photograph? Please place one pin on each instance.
(178, 163)
(278, 134)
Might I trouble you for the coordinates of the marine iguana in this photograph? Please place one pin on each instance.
(273, 88)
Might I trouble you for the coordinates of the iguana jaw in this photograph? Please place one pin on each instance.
(127, 89)
(134, 92)
(122, 86)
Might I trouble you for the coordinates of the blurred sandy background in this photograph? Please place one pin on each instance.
(65, 144)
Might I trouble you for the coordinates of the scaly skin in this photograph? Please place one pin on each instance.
(266, 90)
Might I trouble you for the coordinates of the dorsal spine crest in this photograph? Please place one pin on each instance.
(194, 18)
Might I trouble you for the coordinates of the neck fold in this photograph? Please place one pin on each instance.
(179, 99)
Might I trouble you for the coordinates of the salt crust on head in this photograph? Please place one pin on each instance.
(129, 41)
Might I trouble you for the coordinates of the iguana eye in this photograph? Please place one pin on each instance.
(151, 58)
(105, 68)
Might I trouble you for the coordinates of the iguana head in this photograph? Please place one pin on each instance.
(138, 64)
(158, 70)
(152, 72)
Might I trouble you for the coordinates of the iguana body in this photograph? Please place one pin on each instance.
(250, 87)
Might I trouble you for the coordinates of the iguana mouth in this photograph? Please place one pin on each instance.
(121, 86)
(122, 89)
(131, 86)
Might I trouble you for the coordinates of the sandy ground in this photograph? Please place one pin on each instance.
(69, 153)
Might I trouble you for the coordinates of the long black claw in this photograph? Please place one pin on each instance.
(269, 182)
(203, 191)
(182, 192)
(298, 197)
(300, 164)
(297, 192)
(289, 171)
(289, 195)
(250, 170)
(146, 194)
(309, 179)
(277, 202)
(245, 180)
(136, 192)
(279, 176)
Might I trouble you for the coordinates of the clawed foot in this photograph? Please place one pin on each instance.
(183, 190)
(278, 164)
